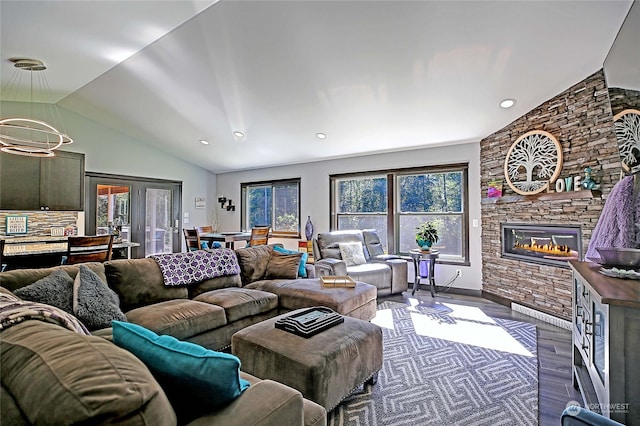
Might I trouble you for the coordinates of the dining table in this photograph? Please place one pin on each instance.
(228, 238)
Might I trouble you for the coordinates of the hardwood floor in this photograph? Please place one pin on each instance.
(554, 351)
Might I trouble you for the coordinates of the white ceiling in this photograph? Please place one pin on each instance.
(375, 76)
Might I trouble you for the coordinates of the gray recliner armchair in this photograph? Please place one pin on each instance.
(387, 273)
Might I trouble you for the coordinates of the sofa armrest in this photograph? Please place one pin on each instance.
(399, 281)
(311, 270)
(329, 266)
(264, 403)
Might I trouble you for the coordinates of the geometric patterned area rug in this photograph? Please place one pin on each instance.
(448, 365)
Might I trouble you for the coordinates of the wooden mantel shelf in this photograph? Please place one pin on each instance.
(544, 196)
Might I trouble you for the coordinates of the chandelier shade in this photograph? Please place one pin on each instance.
(30, 136)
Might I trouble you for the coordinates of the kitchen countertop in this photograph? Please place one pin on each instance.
(11, 239)
(27, 248)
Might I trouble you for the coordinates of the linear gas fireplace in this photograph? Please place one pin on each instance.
(549, 245)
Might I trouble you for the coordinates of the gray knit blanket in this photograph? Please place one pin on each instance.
(188, 268)
(616, 226)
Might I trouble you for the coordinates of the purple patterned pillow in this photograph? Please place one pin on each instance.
(196, 266)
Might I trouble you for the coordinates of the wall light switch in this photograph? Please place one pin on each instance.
(57, 231)
(476, 223)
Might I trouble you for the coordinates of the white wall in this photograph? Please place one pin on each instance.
(315, 194)
(109, 151)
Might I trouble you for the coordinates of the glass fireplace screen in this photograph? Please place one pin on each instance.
(550, 245)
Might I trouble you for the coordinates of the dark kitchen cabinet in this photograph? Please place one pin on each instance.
(54, 183)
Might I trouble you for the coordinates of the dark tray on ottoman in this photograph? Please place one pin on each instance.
(310, 321)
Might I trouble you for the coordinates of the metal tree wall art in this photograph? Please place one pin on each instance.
(627, 127)
(534, 160)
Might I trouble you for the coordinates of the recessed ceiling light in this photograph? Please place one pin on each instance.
(238, 134)
(321, 135)
(507, 103)
(204, 142)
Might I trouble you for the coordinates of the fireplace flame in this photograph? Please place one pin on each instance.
(553, 249)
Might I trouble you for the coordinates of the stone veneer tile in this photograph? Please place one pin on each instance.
(582, 121)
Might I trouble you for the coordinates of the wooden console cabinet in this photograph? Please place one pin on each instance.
(29, 183)
(606, 342)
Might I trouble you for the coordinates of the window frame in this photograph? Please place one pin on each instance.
(245, 186)
(393, 214)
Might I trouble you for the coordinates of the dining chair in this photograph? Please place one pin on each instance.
(96, 248)
(259, 236)
(192, 238)
(207, 243)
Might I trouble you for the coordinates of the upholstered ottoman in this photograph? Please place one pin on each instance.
(325, 368)
(357, 302)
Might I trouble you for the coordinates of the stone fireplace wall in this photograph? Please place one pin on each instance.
(581, 119)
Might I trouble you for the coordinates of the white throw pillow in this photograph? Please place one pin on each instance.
(352, 253)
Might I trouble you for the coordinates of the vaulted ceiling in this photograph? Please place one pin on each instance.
(374, 76)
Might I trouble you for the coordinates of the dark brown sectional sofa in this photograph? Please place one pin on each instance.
(207, 313)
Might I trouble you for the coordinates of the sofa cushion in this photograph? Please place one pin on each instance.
(196, 379)
(180, 318)
(378, 274)
(240, 303)
(296, 294)
(283, 266)
(139, 282)
(302, 269)
(94, 303)
(277, 404)
(55, 289)
(225, 281)
(57, 376)
(328, 242)
(352, 253)
(11, 414)
(372, 242)
(253, 262)
(17, 278)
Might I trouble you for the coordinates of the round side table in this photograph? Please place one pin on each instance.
(417, 255)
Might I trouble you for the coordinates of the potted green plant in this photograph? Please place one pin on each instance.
(426, 235)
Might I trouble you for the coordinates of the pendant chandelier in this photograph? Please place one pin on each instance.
(30, 136)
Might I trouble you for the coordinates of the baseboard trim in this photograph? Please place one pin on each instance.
(527, 310)
(558, 322)
(495, 298)
(456, 290)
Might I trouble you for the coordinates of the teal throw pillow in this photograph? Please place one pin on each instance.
(302, 271)
(192, 376)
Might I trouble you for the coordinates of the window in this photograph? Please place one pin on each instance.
(362, 203)
(275, 204)
(413, 196)
(436, 197)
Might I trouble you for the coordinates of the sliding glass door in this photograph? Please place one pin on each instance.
(144, 211)
(158, 221)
